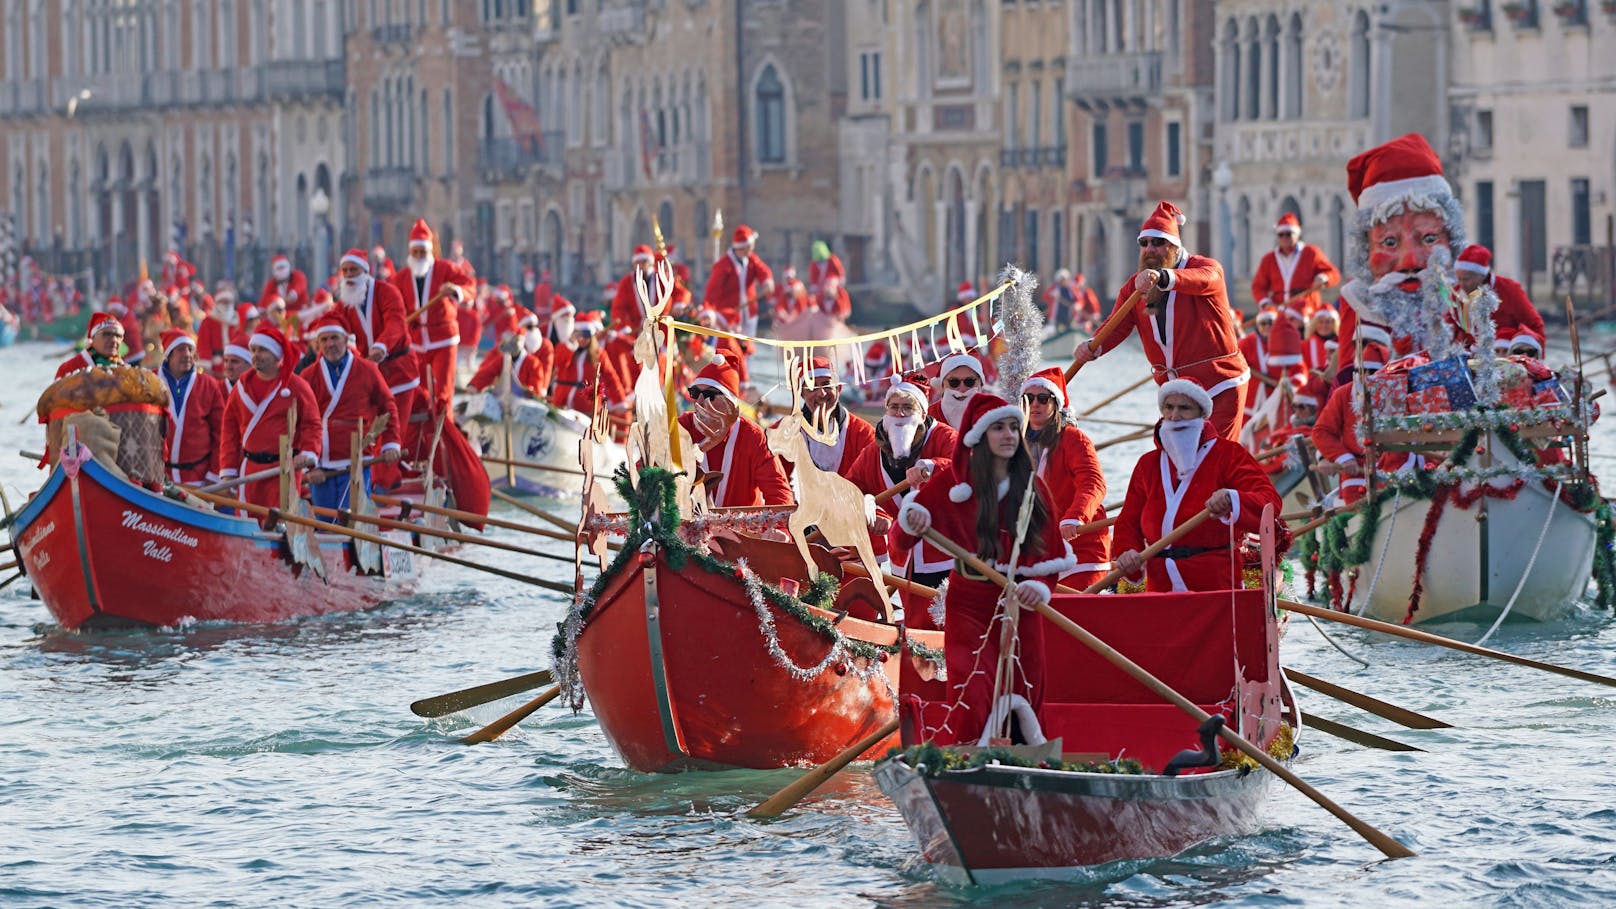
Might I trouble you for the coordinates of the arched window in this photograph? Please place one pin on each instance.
(1254, 68)
(1231, 70)
(1293, 68)
(665, 220)
(1271, 68)
(770, 103)
(1338, 233)
(1358, 67)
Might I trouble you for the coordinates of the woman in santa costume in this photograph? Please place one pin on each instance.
(1183, 318)
(732, 447)
(1515, 309)
(908, 445)
(195, 413)
(580, 362)
(977, 504)
(1292, 273)
(256, 416)
(1069, 465)
(438, 286)
(1192, 466)
(351, 394)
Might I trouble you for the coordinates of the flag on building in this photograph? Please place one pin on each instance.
(523, 118)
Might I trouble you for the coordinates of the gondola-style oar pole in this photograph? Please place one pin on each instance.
(390, 524)
(503, 725)
(1399, 715)
(782, 801)
(532, 465)
(1117, 396)
(477, 695)
(535, 511)
(472, 517)
(1354, 735)
(1388, 846)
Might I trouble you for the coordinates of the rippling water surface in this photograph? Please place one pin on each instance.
(259, 765)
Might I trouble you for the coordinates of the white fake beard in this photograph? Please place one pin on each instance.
(283, 272)
(532, 340)
(901, 433)
(563, 330)
(352, 291)
(420, 267)
(1180, 439)
(954, 404)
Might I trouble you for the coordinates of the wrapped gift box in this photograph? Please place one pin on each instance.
(1451, 375)
(1548, 393)
(1429, 400)
(1388, 393)
(1517, 396)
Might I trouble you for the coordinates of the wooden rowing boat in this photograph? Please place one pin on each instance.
(540, 433)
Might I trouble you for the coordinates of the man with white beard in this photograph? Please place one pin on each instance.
(437, 286)
(286, 282)
(1191, 467)
(910, 444)
(374, 313)
(961, 377)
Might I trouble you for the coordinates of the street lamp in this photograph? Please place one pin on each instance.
(320, 206)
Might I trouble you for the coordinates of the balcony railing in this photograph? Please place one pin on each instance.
(285, 80)
(1043, 156)
(388, 188)
(1114, 78)
(509, 157)
(395, 33)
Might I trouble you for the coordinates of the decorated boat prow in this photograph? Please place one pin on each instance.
(1107, 783)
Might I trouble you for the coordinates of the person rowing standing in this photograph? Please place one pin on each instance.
(351, 394)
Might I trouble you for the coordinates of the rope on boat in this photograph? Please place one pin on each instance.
(1542, 534)
(1374, 580)
(1332, 642)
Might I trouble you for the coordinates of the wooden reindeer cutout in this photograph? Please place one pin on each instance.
(595, 502)
(650, 406)
(824, 498)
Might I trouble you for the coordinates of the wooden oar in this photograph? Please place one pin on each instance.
(785, 799)
(477, 695)
(338, 529)
(1137, 424)
(467, 516)
(532, 465)
(513, 501)
(1400, 715)
(1130, 437)
(1151, 551)
(11, 580)
(348, 515)
(1326, 513)
(1388, 846)
(1425, 637)
(227, 485)
(1150, 377)
(1118, 315)
(1355, 735)
(1092, 526)
(857, 570)
(503, 725)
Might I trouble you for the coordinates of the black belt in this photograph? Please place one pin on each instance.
(188, 465)
(570, 384)
(262, 457)
(1186, 552)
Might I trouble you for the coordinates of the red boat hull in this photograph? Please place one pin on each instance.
(997, 824)
(679, 674)
(101, 551)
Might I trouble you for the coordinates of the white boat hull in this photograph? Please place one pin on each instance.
(1457, 586)
(540, 434)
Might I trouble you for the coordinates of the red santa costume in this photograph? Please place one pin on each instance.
(133, 338)
(577, 366)
(855, 433)
(1193, 335)
(1280, 278)
(750, 473)
(1173, 481)
(349, 394)
(213, 335)
(952, 401)
(438, 286)
(626, 317)
(821, 271)
(899, 444)
(195, 418)
(735, 282)
(374, 313)
(84, 359)
(1321, 340)
(1070, 466)
(1335, 431)
(972, 644)
(288, 283)
(256, 416)
(530, 369)
(1515, 309)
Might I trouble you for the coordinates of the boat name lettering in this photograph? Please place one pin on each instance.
(38, 537)
(134, 520)
(160, 553)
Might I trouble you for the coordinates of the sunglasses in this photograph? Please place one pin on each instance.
(1042, 397)
(1148, 242)
(967, 382)
(901, 410)
(703, 394)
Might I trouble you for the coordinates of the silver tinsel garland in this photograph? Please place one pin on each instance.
(1023, 331)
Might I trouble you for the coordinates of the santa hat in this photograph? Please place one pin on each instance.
(721, 374)
(1187, 387)
(102, 321)
(1526, 337)
(1312, 392)
(913, 385)
(526, 318)
(1405, 169)
(955, 361)
(173, 338)
(966, 292)
(820, 368)
(269, 338)
(1327, 313)
(1288, 224)
(279, 259)
(273, 300)
(355, 256)
(1374, 357)
(1266, 314)
(421, 234)
(237, 347)
(1501, 339)
(1374, 334)
(1475, 258)
(1285, 343)
(877, 355)
(743, 236)
(321, 295)
(642, 253)
(1164, 222)
(589, 323)
(115, 306)
(328, 324)
(1052, 380)
(561, 309)
(245, 311)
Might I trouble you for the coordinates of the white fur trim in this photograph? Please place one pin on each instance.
(1234, 511)
(1033, 592)
(959, 493)
(915, 392)
(1285, 360)
(182, 339)
(1003, 412)
(1527, 341)
(236, 350)
(822, 374)
(1187, 388)
(362, 263)
(1309, 400)
(1347, 458)
(1051, 387)
(1472, 267)
(1026, 718)
(1375, 333)
(907, 513)
(1376, 197)
(1153, 232)
(266, 342)
(1064, 564)
(955, 361)
(713, 383)
(329, 328)
(1288, 229)
(869, 509)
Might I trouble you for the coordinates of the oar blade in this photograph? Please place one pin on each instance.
(1399, 715)
(477, 695)
(1355, 735)
(503, 725)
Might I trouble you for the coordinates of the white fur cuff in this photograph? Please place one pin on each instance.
(907, 515)
(869, 509)
(1032, 592)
